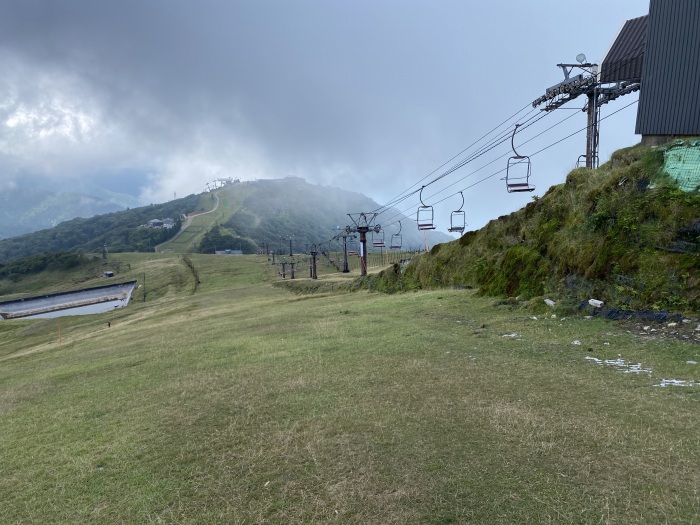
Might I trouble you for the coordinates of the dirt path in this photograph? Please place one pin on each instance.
(188, 221)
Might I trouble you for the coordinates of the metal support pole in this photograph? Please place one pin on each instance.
(290, 247)
(590, 131)
(345, 254)
(292, 274)
(313, 264)
(363, 251)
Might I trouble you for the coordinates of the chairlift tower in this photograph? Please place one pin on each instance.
(598, 89)
(362, 224)
(344, 234)
(572, 87)
(313, 252)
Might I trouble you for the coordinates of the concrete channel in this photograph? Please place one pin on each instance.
(76, 302)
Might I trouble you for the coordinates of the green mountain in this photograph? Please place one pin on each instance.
(627, 234)
(120, 231)
(273, 212)
(24, 210)
(246, 215)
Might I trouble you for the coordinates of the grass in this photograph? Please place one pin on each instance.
(243, 403)
(229, 201)
(625, 233)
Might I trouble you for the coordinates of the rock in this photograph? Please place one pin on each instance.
(596, 303)
(549, 302)
(576, 342)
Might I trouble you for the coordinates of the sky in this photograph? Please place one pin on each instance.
(158, 97)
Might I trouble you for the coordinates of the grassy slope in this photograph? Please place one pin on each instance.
(230, 199)
(612, 234)
(245, 404)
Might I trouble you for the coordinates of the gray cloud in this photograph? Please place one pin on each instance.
(369, 96)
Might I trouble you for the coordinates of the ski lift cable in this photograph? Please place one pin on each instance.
(500, 158)
(399, 198)
(481, 151)
(388, 223)
(390, 203)
(505, 136)
(488, 163)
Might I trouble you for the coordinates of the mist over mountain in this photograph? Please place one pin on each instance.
(250, 215)
(278, 210)
(24, 209)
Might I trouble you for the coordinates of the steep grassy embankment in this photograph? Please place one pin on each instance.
(624, 233)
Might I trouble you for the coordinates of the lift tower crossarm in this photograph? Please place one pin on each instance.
(363, 223)
(570, 88)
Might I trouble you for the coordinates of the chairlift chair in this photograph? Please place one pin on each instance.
(518, 170)
(458, 219)
(378, 239)
(425, 215)
(582, 159)
(396, 239)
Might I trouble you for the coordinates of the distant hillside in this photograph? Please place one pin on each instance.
(625, 234)
(121, 231)
(25, 210)
(252, 214)
(275, 211)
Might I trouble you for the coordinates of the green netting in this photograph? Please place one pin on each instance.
(682, 162)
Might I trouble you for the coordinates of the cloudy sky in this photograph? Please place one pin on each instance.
(156, 97)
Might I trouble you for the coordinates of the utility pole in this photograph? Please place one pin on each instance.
(363, 224)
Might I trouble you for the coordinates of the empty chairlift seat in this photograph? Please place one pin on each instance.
(518, 170)
(396, 239)
(458, 219)
(425, 215)
(378, 239)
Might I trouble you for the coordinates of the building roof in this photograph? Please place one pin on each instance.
(625, 57)
(668, 101)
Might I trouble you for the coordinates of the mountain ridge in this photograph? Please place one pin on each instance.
(253, 213)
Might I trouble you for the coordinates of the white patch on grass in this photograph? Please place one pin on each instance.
(677, 382)
(621, 365)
